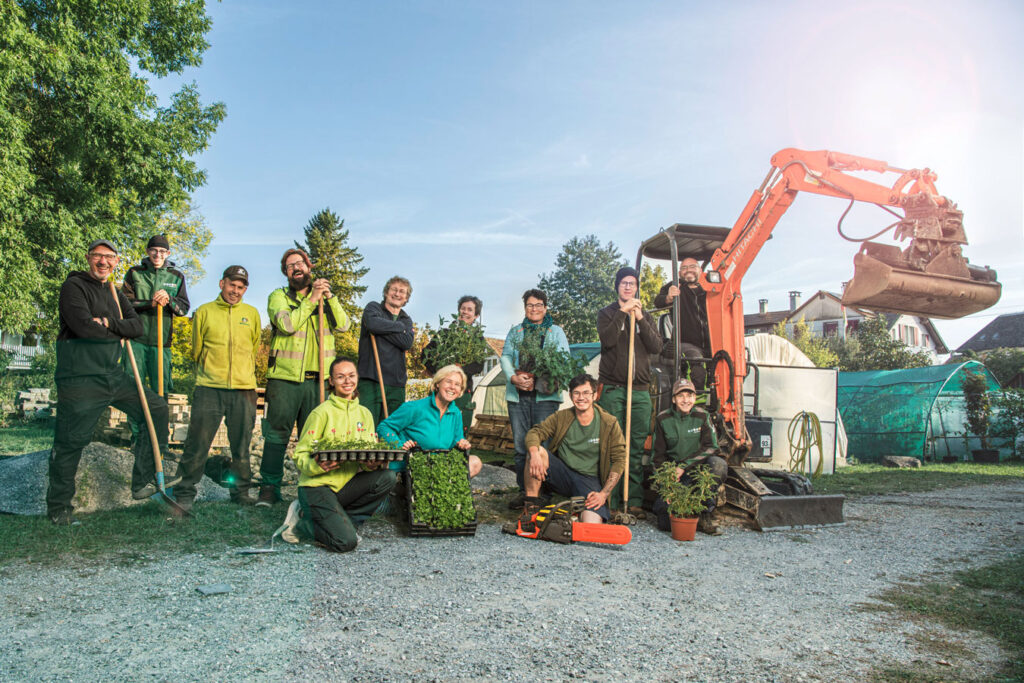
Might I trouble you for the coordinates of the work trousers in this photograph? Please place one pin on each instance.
(718, 466)
(288, 406)
(80, 402)
(336, 516)
(147, 360)
(613, 399)
(524, 415)
(369, 397)
(237, 407)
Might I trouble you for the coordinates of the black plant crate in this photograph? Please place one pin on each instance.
(420, 529)
(368, 455)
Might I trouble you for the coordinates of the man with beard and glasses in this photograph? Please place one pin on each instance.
(694, 341)
(293, 369)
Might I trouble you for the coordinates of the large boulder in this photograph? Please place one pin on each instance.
(103, 481)
(899, 461)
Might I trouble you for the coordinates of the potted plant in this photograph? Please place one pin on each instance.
(979, 412)
(552, 368)
(457, 343)
(685, 501)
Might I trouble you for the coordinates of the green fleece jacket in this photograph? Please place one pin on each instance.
(683, 438)
(613, 445)
(335, 418)
(225, 340)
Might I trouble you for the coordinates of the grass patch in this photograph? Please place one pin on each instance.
(870, 479)
(988, 599)
(26, 437)
(136, 534)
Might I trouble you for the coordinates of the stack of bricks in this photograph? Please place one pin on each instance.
(492, 433)
(32, 400)
(113, 427)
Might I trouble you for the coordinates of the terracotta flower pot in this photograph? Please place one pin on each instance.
(683, 528)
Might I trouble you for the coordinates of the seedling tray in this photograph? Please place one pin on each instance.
(417, 528)
(372, 455)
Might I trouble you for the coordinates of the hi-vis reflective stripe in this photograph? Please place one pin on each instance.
(281, 353)
(285, 320)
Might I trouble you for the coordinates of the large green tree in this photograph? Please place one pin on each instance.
(651, 282)
(582, 283)
(337, 262)
(189, 236)
(86, 149)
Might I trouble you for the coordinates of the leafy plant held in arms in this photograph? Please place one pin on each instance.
(441, 497)
(457, 343)
(685, 501)
(552, 367)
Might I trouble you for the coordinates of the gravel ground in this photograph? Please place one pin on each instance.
(744, 606)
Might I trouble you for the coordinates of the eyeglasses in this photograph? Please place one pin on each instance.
(103, 257)
(535, 306)
(690, 267)
(627, 284)
(293, 265)
(158, 252)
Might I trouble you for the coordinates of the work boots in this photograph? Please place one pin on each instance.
(706, 525)
(268, 496)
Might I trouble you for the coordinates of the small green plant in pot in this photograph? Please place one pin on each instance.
(551, 367)
(979, 412)
(685, 501)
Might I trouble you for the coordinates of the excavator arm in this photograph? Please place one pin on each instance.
(929, 277)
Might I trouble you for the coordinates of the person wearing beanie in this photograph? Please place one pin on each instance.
(155, 288)
(684, 435)
(613, 323)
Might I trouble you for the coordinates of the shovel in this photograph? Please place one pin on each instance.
(149, 420)
(160, 349)
(624, 517)
(320, 346)
(380, 377)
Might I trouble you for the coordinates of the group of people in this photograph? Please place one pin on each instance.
(576, 451)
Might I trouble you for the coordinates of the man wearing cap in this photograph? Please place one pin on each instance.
(89, 378)
(613, 323)
(155, 288)
(694, 339)
(684, 435)
(225, 339)
(293, 385)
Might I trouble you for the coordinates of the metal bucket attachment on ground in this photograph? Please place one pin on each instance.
(879, 286)
(788, 512)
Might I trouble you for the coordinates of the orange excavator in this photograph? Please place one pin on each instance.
(929, 276)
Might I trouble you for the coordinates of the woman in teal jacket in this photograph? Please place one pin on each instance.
(433, 422)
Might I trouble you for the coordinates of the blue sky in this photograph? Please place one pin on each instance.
(464, 143)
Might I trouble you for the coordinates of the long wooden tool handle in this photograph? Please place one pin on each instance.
(320, 345)
(380, 377)
(159, 349)
(142, 398)
(629, 410)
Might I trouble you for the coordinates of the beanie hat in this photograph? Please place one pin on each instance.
(159, 241)
(625, 272)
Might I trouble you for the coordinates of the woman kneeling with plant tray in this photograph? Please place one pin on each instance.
(439, 492)
(338, 490)
(688, 467)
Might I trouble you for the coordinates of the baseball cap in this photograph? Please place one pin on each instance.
(102, 243)
(237, 273)
(683, 384)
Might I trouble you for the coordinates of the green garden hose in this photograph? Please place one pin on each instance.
(804, 434)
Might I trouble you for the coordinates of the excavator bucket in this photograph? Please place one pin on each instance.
(773, 499)
(881, 286)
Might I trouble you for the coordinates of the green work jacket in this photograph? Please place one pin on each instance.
(612, 446)
(225, 340)
(683, 438)
(293, 342)
(335, 418)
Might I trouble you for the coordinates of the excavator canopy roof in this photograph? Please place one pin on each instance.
(695, 241)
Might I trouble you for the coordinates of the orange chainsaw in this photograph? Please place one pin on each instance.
(556, 522)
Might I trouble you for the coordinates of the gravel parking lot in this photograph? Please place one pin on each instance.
(744, 606)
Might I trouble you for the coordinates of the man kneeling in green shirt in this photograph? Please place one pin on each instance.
(336, 497)
(684, 434)
(587, 454)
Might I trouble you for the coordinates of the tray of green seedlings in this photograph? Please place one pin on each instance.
(356, 450)
(437, 490)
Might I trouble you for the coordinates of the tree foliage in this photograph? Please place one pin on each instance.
(815, 348)
(1004, 363)
(871, 347)
(582, 283)
(651, 281)
(86, 149)
(414, 365)
(338, 263)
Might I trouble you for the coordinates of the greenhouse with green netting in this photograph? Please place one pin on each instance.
(920, 412)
